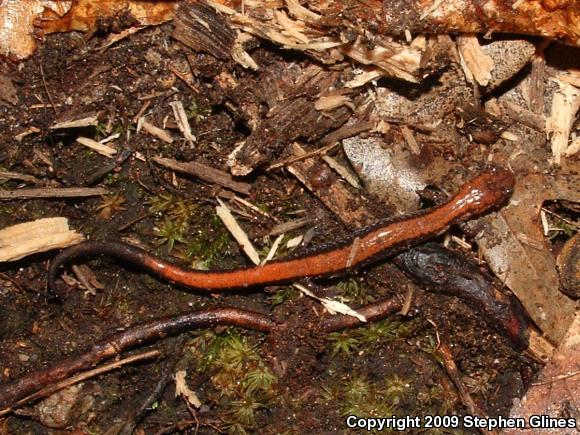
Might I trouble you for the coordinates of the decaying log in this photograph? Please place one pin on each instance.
(552, 19)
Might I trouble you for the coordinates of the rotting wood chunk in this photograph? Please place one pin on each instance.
(294, 116)
(201, 28)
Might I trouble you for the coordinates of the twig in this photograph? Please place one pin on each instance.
(136, 413)
(98, 147)
(455, 376)
(47, 391)
(204, 172)
(100, 173)
(132, 222)
(47, 91)
(113, 345)
(50, 192)
(7, 175)
(328, 142)
(319, 151)
(285, 227)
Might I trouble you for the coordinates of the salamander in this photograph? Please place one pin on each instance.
(489, 189)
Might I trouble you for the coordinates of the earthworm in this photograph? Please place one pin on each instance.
(152, 330)
(490, 189)
(134, 336)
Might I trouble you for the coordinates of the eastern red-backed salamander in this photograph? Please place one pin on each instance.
(490, 189)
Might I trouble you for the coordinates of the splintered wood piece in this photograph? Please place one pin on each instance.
(153, 130)
(41, 235)
(8, 175)
(332, 306)
(205, 173)
(293, 115)
(181, 389)
(87, 121)
(565, 105)
(476, 64)
(98, 147)
(182, 121)
(237, 232)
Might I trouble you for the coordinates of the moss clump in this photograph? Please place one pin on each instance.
(363, 339)
(241, 383)
(182, 226)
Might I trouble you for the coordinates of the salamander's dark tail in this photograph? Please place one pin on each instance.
(121, 251)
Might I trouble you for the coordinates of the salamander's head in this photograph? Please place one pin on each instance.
(489, 189)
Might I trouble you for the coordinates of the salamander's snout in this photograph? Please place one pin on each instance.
(488, 190)
(500, 182)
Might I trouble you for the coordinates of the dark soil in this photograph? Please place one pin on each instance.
(292, 381)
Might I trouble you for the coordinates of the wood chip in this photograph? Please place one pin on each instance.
(343, 171)
(565, 105)
(181, 389)
(116, 37)
(182, 121)
(292, 243)
(330, 102)
(285, 227)
(200, 27)
(98, 147)
(273, 249)
(159, 133)
(239, 234)
(299, 11)
(87, 121)
(253, 207)
(50, 192)
(476, 64)
(332, 306)
(520, 114)
(205, 173)
(19, 241)
(26, 132)
(410, 140)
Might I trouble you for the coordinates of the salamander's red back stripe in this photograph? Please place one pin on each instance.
(489, 189)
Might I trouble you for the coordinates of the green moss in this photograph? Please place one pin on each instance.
(169, 233)
(343, 343)
(428, 344)
(195, 112)
(183, 225)
(282, 295)
(364, 338)
(241, 383)
(208, 246)
(355, 290)
(362, 397)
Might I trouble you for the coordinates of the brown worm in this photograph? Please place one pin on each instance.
(490, 189)
(152, 330)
